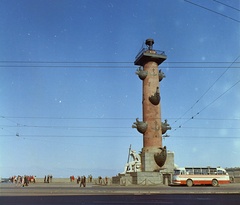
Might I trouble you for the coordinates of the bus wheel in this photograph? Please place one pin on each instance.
(189, 182)
(214, 182)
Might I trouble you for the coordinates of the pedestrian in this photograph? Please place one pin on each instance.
(35, 179)
(18, 181)
(84, 181)
(45, 179)
(81, 181)
(23, 181)
(106, 180)
(99, 180)
(27, 180)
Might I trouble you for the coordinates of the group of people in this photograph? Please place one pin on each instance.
(81, 181)
(48, 178)
(22, 181)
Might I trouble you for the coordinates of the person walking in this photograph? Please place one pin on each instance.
(22, 181)
(84, 181)
(18, 181)
(81, 181)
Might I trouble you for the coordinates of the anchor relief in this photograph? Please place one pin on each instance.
(156, 127)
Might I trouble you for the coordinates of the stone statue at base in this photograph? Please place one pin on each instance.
(135, 163)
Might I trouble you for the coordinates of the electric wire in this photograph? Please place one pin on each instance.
(212, 11)
(207, 105)
(122, 136)
(109, 62)
(227, 5)
(108, 67)
(131, 62)
(207, 90)
(100, 118)
(112, 127)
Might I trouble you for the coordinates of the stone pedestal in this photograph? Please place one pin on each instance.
(168, 169)
(147, 159)
(162, 176)
(169, 164)
(147, 178)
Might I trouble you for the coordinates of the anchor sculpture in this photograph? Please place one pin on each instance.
(156, 128)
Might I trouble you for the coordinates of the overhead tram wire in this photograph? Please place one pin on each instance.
(89, 127)
(7, 131)
(70, 118)
(212, 11)
(227, 5)
(108, 65)
(102, 136)
(207, 106)
(100, 62)
(207, 89)
(99, 118)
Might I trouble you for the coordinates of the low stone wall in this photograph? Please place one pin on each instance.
(56, 180)
(67, 180)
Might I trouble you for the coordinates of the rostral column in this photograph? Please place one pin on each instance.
(153, 155)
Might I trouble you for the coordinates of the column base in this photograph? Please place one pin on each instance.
(148, 161)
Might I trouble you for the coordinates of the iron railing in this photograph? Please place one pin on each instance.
(145, 49)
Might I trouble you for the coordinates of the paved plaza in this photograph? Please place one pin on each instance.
(50, 189)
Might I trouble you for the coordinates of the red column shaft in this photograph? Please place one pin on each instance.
(151, 113)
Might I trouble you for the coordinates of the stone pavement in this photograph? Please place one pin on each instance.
(57, 189)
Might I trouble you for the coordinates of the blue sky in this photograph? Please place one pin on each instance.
(68, 85)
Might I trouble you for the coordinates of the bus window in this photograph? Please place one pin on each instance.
(197, 170)
(213, 171)
(189, 170)
(177, 172)
(220, 172)
(205, 171)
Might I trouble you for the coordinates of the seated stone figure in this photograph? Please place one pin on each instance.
(135, 163)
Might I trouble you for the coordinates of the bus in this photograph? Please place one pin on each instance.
(200, 175)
